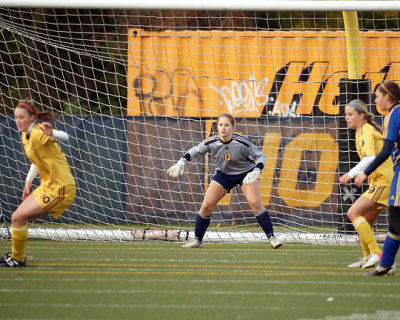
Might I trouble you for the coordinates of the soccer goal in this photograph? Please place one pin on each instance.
(136, 87)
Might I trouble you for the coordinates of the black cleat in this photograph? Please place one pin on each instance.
(8, 262)
(6, 256)
(381, 271)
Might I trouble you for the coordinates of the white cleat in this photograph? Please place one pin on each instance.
(372, 260)
(275, 243)
(195, 243)
(358, 264)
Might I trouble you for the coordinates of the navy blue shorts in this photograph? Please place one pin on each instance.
(229, 181)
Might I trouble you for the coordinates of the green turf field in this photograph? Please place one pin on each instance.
(68, 280)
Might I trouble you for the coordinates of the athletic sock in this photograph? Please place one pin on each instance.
(390, 248)
(201, 226)
(265, 223)
(18, 242)
(367, 237)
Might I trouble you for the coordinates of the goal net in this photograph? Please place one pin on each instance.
(136, 88)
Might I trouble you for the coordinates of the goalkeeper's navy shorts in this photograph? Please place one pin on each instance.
(229, 181)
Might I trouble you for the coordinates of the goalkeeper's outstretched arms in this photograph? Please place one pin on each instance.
(177, 169)
(259, 158)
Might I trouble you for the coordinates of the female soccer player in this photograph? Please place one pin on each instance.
(57, 189)
(364, 212)
(387, 97)
(235, 157)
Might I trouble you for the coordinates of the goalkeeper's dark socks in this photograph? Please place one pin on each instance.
(265, 223)
(201, 226)
(390, 248)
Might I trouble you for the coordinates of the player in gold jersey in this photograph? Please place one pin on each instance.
(57, 189)
(364, 212)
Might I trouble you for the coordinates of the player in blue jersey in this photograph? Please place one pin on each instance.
(387, 97)
(239, 163)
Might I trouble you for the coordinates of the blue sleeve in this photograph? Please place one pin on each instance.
(381, 157)
(393, 125)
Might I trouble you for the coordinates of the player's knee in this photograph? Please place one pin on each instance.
(206, 209)
(256, 206)
(17, 219)
(352, 214)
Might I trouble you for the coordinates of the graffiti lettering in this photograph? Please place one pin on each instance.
(163, 93)
(243, 96)
(290, 94)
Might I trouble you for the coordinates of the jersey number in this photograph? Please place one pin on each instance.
(227, 157)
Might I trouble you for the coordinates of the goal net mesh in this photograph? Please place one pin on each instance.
(135, 89)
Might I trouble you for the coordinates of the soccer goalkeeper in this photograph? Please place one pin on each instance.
(239, 163)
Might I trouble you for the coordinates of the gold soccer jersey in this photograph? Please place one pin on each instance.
(369, 142)
(50, 161)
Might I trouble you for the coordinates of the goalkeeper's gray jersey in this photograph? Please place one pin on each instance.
(234, 157)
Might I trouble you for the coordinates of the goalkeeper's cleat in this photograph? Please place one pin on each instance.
(275, 243)
(6, 256)
(358, 264)
(195, 243)
(381, 271)
(12, 263)
(372, 260)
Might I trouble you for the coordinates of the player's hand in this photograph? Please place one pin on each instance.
(177, 169)
(361, 177)
(344, 179)
(27, 190)
(252, 176)
(47, 129)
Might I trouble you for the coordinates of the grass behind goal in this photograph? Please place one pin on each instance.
(67, 280)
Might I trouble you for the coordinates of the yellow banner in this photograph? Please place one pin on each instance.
(205, 73)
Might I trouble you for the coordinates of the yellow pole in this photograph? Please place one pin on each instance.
(353, 44)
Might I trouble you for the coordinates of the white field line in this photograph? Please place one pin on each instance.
(379, 314)
(207, 307)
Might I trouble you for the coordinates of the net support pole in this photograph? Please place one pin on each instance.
(353, 45)
(352, 87)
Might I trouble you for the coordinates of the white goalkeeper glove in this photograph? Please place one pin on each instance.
(177, 169)
(252, 176)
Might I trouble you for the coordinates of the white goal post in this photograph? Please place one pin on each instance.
(138, 83)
